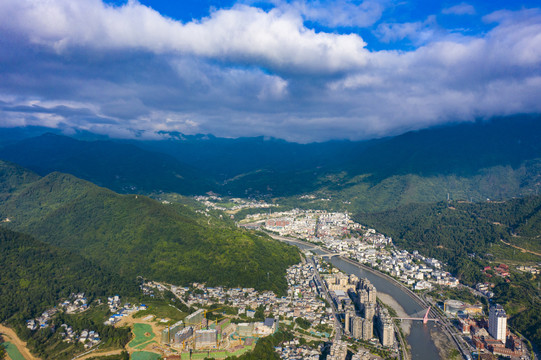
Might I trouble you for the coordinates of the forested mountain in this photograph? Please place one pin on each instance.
(454, 231)
(226, 158)
(134, 235)
(497, 159)
(36, 275)
(117, 166)
(461, 149)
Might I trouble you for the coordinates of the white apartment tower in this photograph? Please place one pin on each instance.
(497, 322)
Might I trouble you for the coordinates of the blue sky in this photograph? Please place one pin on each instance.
(300, 70)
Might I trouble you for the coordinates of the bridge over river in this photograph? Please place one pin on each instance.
(420, 340)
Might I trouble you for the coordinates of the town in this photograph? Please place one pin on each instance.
(338, 234)
(326, 310)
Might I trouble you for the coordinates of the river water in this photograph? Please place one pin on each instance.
(419, 339)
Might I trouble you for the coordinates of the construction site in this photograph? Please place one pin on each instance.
(197, 337)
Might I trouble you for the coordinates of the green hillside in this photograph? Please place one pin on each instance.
(497, 183)
(12, 178)
(36, 275)
(134, 235)
(467, 236)
(451, 231)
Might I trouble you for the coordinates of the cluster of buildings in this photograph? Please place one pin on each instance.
(412, 269)
(89, 338)
(370, 247)
(292, 350)
(339, 351)
(76, 303)
(301, 300)
(486, 336)
(191, 334)
(42, 321)
(364, 318)
(195, 332)
(501, 270)
(305, 224)
(485, 289)
(114, 303)
(147, 290)
(493, 336)
(362, 315)
(376, 250)
(119, 311)
(529, 269)
(215, 202)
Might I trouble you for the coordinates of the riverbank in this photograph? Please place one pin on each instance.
(446, 348)
(390, 301)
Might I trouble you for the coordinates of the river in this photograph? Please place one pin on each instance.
(419, 339)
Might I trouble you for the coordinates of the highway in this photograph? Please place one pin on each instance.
(338, 329)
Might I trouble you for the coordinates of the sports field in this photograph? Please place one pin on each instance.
(143, 333)
(13, 352)
(145, 355)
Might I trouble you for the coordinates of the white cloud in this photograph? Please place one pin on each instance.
(460, 9)
(419, 32)
(274, 39)
(331, 13)
(245, 71)
(340, 13)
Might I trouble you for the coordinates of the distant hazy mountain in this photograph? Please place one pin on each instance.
(497, 159)
(461, 149)
(226, 158)
(120, 167)
(134, 235)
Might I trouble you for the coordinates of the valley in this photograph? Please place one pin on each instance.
(202, 218)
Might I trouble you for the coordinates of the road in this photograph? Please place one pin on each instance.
(338, 329)
(521, 249)
(92, 354)
(446, 326)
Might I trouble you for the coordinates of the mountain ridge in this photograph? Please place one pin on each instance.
(134, 235)
(497, 159)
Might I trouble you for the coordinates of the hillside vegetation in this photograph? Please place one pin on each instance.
(133, 235)
(497, 159)
(451, 231)
(467, 236)
(36, 275)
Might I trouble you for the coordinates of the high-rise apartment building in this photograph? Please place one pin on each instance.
(497, 322)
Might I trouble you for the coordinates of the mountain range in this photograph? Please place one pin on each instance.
(455, 192)
(497, 159)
